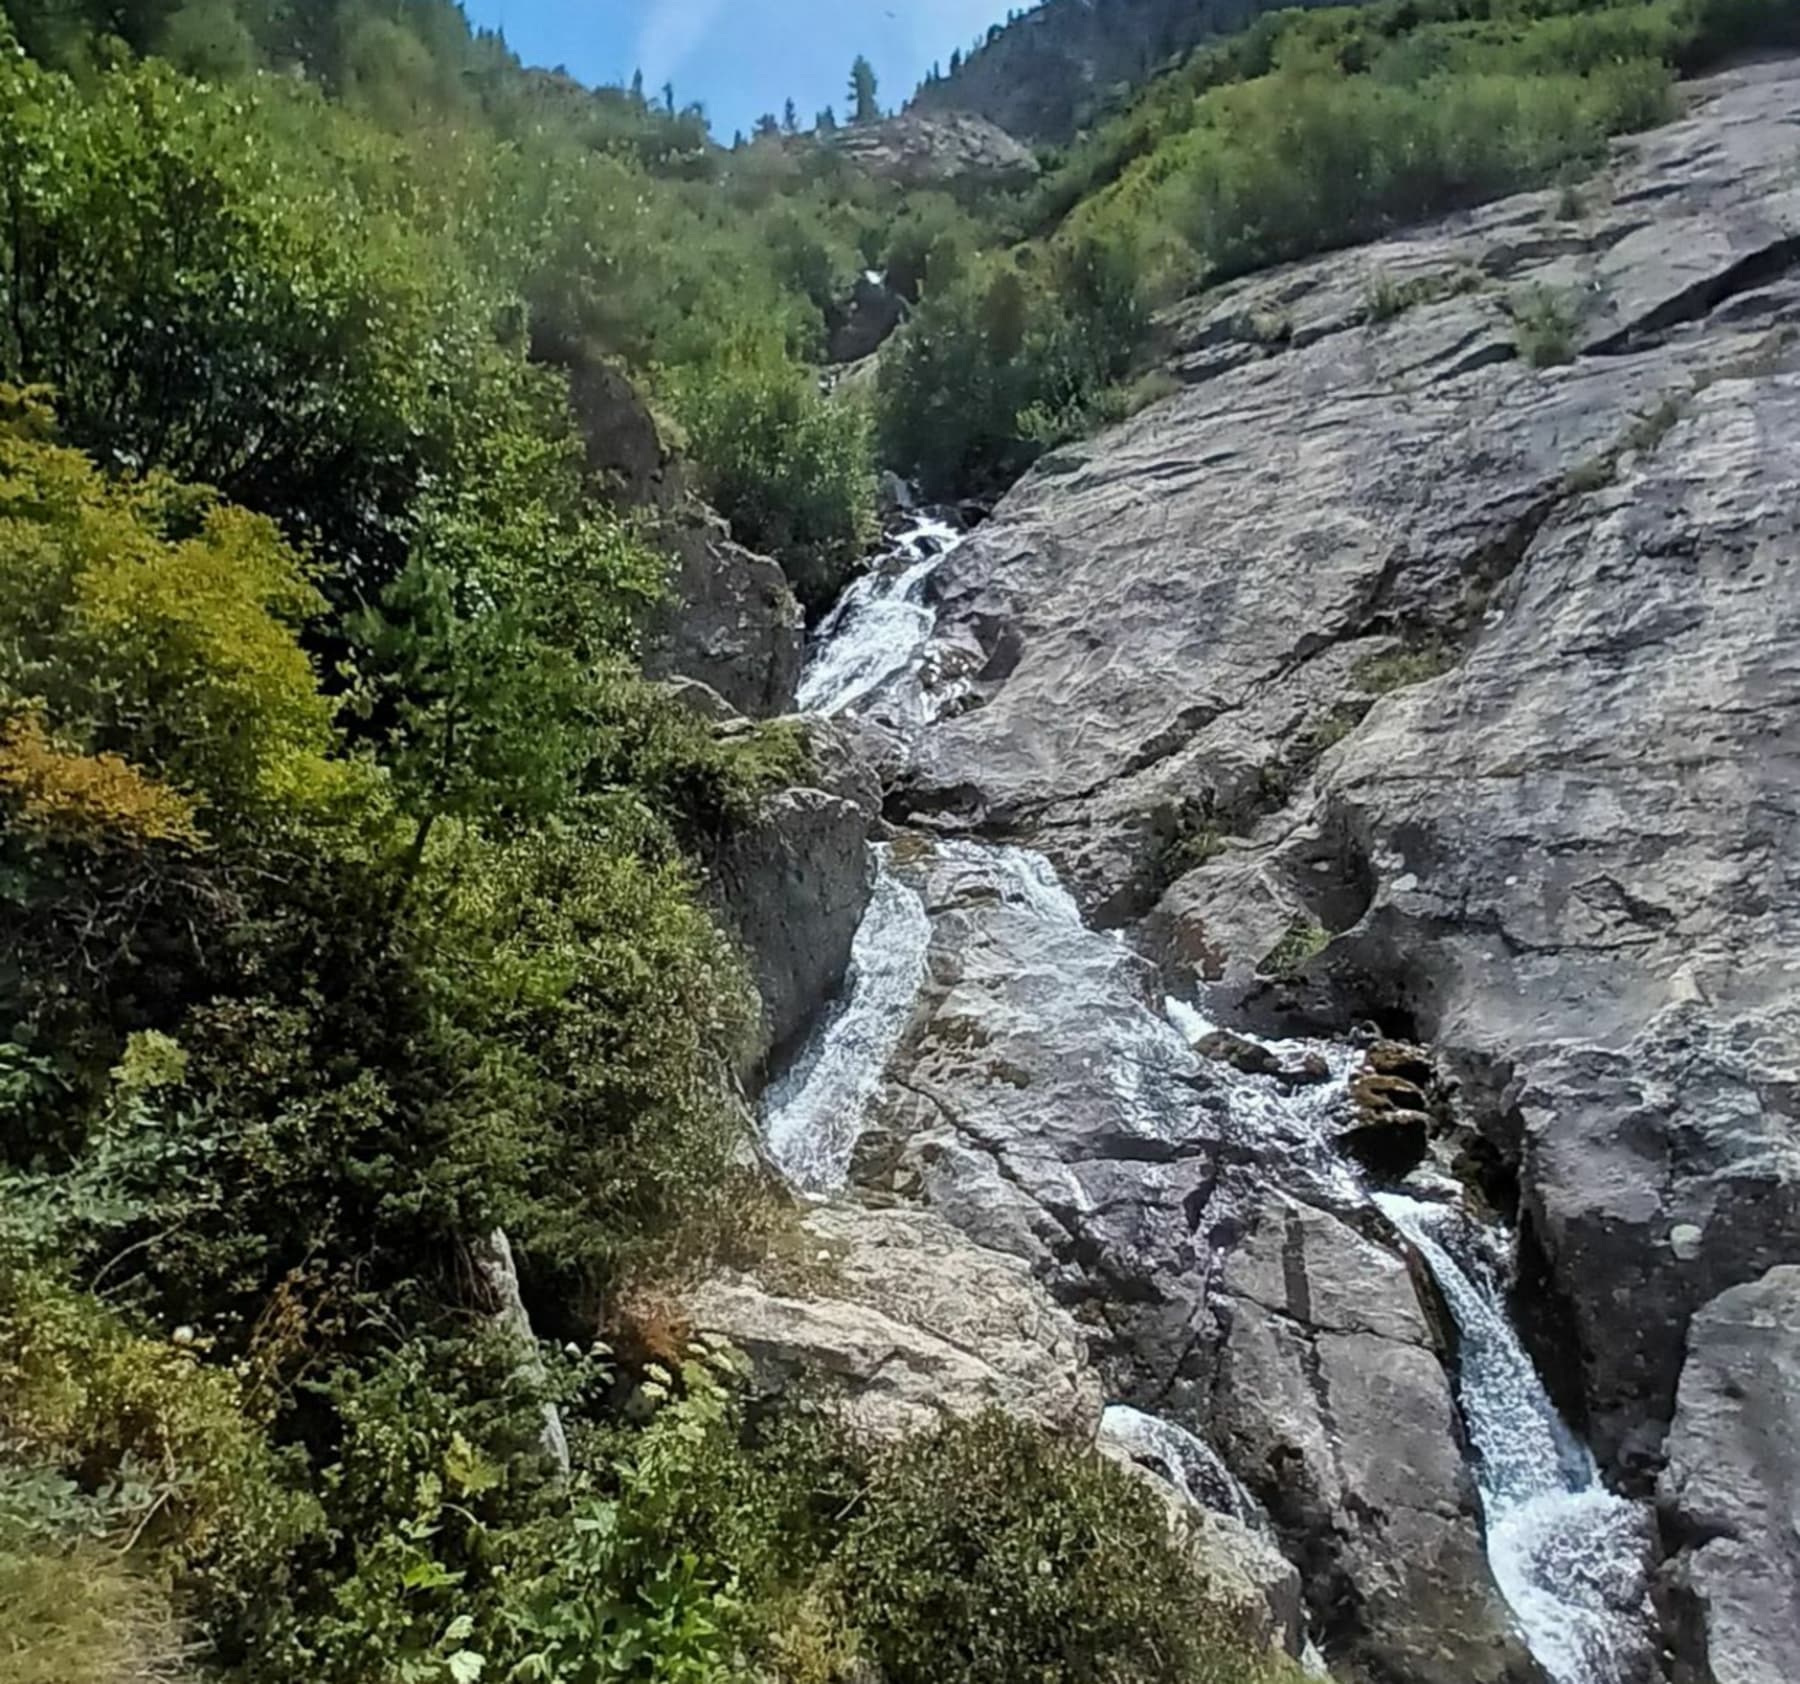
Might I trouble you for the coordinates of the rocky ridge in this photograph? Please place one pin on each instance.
(1051, 69)
(1385, 673)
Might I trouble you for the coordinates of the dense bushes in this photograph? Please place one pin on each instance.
(792, 473)
(1317, 128)
(1005, 361)
(987, 1551)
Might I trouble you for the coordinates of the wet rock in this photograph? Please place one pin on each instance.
(731, 621)
(1331, 1404)
(791, 887)
(1570, 858)
(1042, 1105)
(908, 1322)
(1731, 1493)
(1255, 1059)
(1389, 1146)
(1403, 1062)
(875, 310)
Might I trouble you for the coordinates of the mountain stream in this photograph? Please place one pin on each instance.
(1567, 1554)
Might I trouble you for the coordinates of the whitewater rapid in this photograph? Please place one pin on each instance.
(1568, 1556)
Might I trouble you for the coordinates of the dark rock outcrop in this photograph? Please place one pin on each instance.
(1049, 71)
(731, 621)
(1731, 1493)
(793, 885)
(874, 312)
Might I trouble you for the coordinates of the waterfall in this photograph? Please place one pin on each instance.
(1568, 1555)
(813, 1113)
(1187, 1462)
(871, 643)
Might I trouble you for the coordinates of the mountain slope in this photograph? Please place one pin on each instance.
(1045, 74)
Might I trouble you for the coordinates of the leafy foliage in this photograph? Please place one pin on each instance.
(987, 1550)
(789, 471)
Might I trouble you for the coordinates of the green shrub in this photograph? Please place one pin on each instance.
(1304, 940)
(988, 1550)
(1387, 298)
(1546, 326)
(792, 473)
(71, 1612)
(1379, 674)
(1004, 364)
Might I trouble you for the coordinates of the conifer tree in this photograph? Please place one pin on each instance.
(864, 107)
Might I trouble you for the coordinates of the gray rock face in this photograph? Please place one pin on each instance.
(1731, 1493)
(1489, 673)
(949, 149)
(792, 888)
(622, 441)
(909, 1322)
(1055, 66)
(496, 1275)
(1043, 1105)
(1330, 1401)
(731, 622)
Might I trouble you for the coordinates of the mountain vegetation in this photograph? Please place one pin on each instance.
(349, 867)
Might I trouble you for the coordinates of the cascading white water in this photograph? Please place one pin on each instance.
(1188, 1463)
(871, 643)
(813, 1113)
(1568, 1555)
(1299, 1122)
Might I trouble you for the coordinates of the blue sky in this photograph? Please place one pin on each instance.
(741, 57)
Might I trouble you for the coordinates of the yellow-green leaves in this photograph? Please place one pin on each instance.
(149, 658)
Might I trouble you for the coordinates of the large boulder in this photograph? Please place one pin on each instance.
(792, 884)
(1393, 677)
(731, 621)
(906, 1322)
(1330, 1401)
(1730, 1496)
(874, 312)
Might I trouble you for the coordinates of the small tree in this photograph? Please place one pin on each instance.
(766, 125)
(790, 118)
(864, 107)
(637, 87)
(826, 121)
(955, 60)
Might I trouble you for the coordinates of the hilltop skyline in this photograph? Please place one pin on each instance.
(742, 58)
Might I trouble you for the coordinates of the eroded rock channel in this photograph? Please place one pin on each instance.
(1376, 687)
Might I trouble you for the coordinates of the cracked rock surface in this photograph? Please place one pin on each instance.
(1731, 1493)
(1379, 674)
